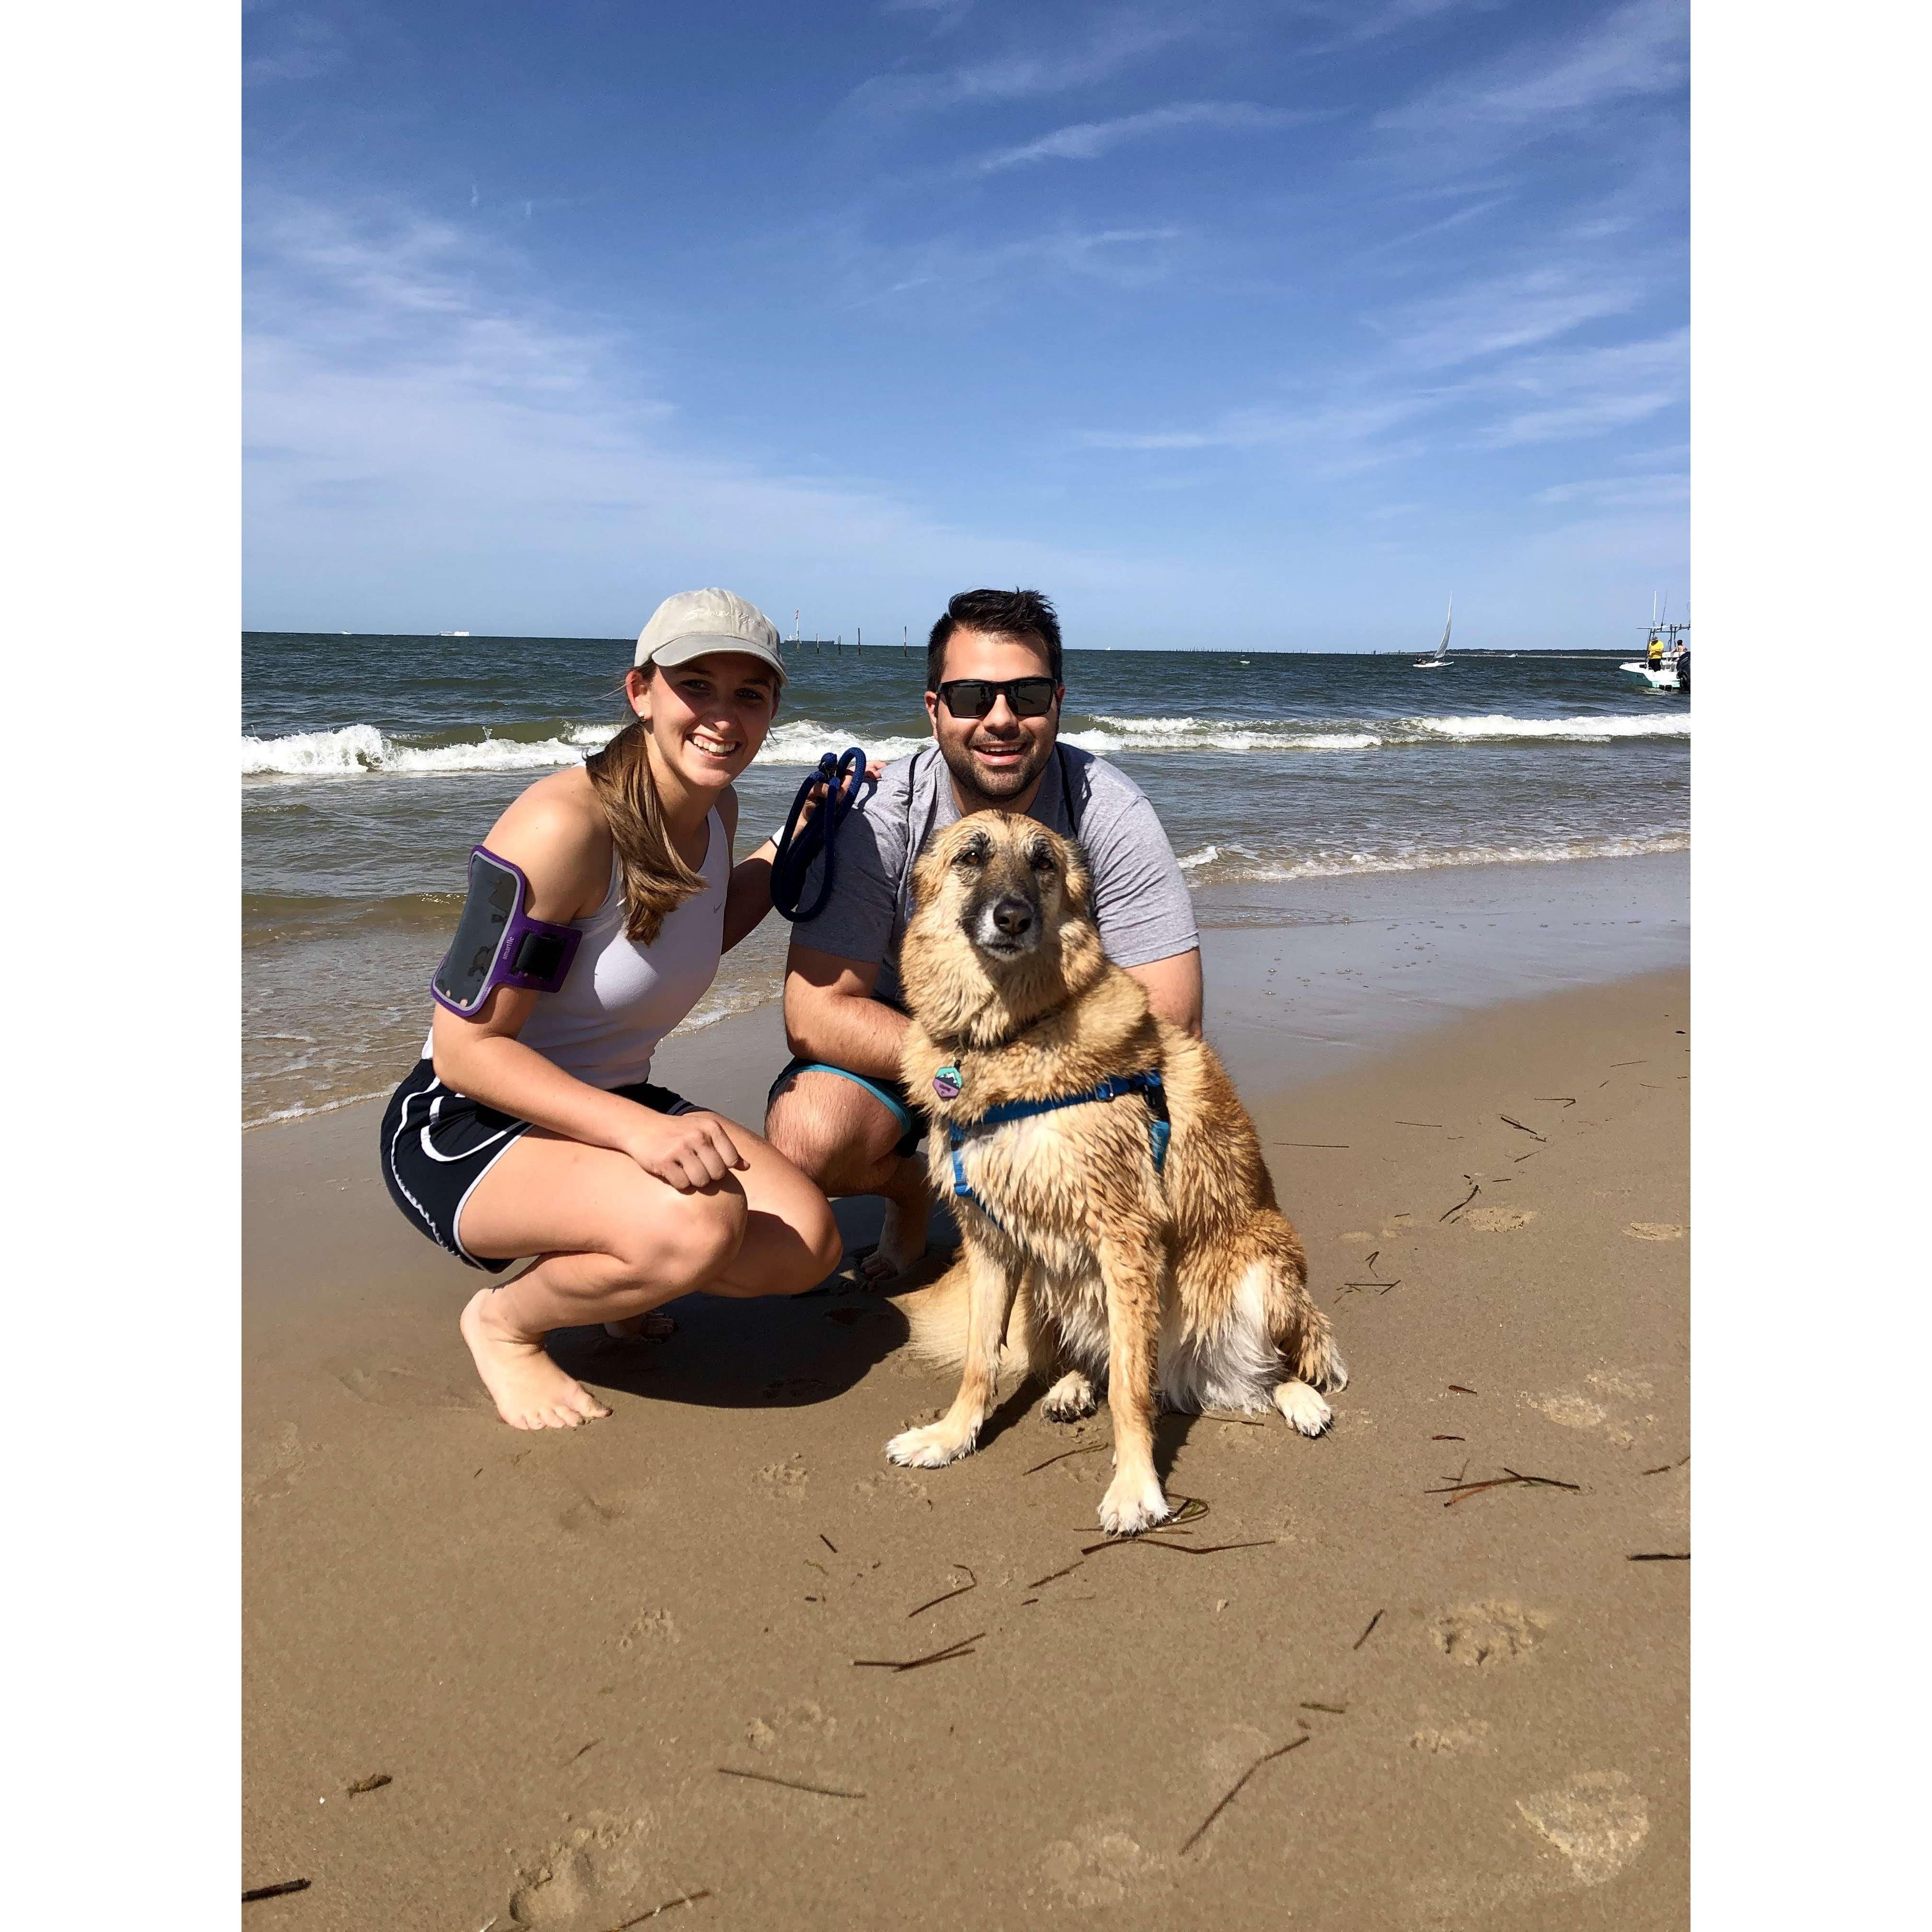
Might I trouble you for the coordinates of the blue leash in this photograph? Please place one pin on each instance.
(843, 775)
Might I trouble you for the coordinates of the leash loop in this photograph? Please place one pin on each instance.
(843, 775)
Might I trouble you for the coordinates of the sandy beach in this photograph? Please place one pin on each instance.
(643, 1663)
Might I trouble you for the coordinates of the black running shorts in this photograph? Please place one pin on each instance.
(438, 1143)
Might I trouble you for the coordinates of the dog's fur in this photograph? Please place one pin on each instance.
(1188, 1287)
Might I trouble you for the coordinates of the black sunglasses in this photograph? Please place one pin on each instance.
(974, 696)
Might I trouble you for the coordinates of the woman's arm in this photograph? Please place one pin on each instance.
(563, 848)
(748, 897)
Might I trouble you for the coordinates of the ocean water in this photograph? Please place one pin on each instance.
(371, 765)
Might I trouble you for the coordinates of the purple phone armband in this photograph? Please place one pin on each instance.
(497, 944)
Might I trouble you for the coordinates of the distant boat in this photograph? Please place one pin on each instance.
(1665, 663)
(452, 634)
(1441, 657)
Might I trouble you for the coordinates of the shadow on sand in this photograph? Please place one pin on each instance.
(778, 1353)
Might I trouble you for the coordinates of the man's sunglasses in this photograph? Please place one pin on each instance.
(974, 696)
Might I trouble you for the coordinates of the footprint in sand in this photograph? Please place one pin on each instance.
(1572, 1410)
(1498, 1220)
(1458, 1740)
(279, 1466)
(801, 1722)
(591, 1513)
(892, 1486)
(590, 1880)
(1481, 1636)
(1655, 1231)
(785, 1481)
(389, 1388)
(1595, 1820)
(1100, 1864)
(651, 1630)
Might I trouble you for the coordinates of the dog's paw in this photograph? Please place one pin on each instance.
(1304, 1409)
(1069, 1399)
(931, 1448)
(1133, 1503)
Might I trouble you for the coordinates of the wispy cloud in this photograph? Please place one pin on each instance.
(1371, 418)
(975, 275)
(1088, 140)
(422, 423)
(1587, 392)
(1507, 312)
(1665, 491)
(945, 15)
(1641, 49)
(290, 46)
(1118, 41)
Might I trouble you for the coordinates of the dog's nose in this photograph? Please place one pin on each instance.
(1013, 916)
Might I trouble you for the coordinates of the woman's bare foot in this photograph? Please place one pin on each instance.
(899, 1247)
(653, 1325)
(529, 1390)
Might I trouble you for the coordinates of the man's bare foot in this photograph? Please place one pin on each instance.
(653, 1326)
(529, 1390)
(898, 1248)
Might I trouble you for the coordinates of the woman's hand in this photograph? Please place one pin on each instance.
(814, 798)
(686, 1151)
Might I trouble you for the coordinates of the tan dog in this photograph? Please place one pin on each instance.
(1186, 1283)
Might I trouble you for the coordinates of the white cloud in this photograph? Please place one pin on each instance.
(1088, 140)
(290, 46)
(1640, 50)
(1518, 311)
(1120, 39)
(426, 436)
(1562, 397)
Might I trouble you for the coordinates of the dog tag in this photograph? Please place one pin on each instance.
(946, 1083)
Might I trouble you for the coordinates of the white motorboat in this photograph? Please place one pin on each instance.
(1665, 663)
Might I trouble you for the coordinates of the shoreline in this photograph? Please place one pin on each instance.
(565, 1650)
(1475, 936)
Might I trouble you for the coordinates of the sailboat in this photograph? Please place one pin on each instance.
(1442, 656)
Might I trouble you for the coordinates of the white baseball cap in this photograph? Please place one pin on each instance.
(694, 623)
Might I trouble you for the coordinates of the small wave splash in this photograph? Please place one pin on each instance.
(1206, 734)
(1230, 865)
(362, 751)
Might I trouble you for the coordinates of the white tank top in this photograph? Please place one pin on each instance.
(620, 998)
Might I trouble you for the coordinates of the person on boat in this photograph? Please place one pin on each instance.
(993, 692)
(1654, 656)
(599, 908)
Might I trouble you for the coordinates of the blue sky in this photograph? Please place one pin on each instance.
(1265, 325)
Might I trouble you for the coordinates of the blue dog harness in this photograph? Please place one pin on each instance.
(1159, 1128)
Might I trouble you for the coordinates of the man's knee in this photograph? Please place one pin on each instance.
(822, 1124)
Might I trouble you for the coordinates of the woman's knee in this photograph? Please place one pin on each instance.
(688, 1246)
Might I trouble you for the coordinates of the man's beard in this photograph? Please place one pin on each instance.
(995, 785)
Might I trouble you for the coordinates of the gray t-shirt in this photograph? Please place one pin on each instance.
(1141, 901)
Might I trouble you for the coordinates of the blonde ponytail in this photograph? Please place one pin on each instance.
(656, 881)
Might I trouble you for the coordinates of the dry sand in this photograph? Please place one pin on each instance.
(558, 1647)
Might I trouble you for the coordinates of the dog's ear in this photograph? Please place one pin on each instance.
(928, 872)
(1078, 875)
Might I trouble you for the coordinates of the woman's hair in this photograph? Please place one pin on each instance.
(655, 879)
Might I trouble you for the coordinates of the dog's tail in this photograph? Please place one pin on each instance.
(936, 1316)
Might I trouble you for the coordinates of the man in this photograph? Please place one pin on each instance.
(994, 692)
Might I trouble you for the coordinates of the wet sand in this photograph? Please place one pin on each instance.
(582, 1660)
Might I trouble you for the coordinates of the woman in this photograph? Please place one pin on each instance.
(530, 1127)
